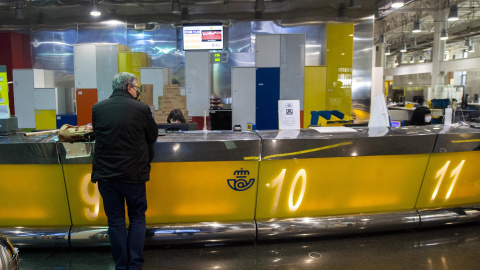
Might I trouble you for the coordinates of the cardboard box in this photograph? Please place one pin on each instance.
(171, 92)
(168, 103)
(147, 94)
(161, 116)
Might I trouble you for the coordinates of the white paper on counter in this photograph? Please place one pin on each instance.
(288, 134)
(288, 114)
(333, 129)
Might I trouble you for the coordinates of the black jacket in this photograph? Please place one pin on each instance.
(124, 135)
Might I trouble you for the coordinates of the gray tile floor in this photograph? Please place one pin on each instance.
(448, 248)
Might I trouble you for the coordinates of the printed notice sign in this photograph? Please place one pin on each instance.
(288, 114)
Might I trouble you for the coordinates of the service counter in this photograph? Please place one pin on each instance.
(241, 186)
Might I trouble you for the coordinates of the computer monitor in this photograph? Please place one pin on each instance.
(415, 98)
(170, 127)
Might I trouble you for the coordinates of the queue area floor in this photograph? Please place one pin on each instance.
(453, 248)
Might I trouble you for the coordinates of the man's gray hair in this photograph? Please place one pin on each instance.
(122, 80)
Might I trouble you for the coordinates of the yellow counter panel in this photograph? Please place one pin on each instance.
(451, 179)
(177, 192)
(33, 195)
(338, 186)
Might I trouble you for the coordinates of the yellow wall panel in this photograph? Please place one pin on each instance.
(132, 62)
(314, 93)
(45, 119)
(339, 67)
(3, 88)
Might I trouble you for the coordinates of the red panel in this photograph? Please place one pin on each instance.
(86, 98)
(15, 53)
(198, 120)
(27, 52)
(301, 119)
(17, 50)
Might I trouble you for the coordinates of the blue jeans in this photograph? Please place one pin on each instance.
(127, 246)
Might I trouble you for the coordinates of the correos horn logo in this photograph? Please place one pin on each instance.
(241, 181)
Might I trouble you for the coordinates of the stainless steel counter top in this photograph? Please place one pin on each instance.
(310, 143)
(269, 144)
(18, 149)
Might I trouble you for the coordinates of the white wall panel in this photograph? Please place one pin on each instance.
(267, 51)
(107, 67)
(44, 99)
(156, 77)
(198, 81)
(85, 66)
(243, 96)
(23, 91)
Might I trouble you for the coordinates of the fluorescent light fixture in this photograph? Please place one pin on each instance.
(397, 4)
(468, 42)
(19, 11)
(382, 38)
(355, 4)
(387, 50)
(404, 47)
(421, 59)
(444, 34)
(413, 42)
(95, 11)
(259, 5)
(412, 60)
(377, 13)
(176, 7)
(416, 26)
(341, 11)
(453, 13)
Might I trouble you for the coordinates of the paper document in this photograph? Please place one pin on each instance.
(333, 129)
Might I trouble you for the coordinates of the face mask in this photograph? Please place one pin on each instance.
(138, 94)
(428, 119)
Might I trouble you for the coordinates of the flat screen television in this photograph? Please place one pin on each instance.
(203, 37)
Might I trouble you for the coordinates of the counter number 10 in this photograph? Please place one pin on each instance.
(278, 182)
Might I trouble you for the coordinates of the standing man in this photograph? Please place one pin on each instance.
(124, 135)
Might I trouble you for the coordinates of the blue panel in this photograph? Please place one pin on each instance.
(69, 118)
(267, 96)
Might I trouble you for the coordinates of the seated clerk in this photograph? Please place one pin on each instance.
(176, 116)
(422, 115)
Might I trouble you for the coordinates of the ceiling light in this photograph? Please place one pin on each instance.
(471, 48)
(421, 59)
(413, 42)
(259, 5)
(468, 42)
(444, 34)
(397, 4)
(176, 7)
(387, 50)
(355, 4)
(382, 38)
(95, 11)
(341, 11)
(453, 13)
(19, 11)
(412, 60)
(377, 13)
(404, 47)
(416, 26)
